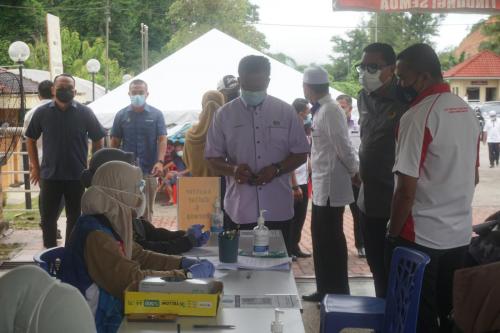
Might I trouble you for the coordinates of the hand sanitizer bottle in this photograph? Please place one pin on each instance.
(277, 324)
(261, 237)
(217, 221)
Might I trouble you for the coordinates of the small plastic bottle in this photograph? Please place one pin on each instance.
(217, 220)
(277, 324)
(261, 237)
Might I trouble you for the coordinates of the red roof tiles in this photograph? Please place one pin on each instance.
(484, 64)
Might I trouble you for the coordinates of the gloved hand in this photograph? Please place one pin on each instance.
(188, 262)
(201, 237)
(196, 230)
(203, 269)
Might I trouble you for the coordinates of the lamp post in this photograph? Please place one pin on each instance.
(93, 66)
(126, 77)
(19, 52)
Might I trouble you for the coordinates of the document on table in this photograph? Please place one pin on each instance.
(254, 263)
(261, 301)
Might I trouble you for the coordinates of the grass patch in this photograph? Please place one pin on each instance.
(22, 220)
(7, 251)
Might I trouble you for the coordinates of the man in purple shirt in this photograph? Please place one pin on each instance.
(256, 140)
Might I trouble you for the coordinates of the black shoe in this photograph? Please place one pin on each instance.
(314, 297)
(361, 252)
(300, 254)
(491, 165)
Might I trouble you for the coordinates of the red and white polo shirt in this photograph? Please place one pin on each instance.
(437, 142)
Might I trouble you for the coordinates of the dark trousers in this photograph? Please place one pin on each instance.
(299, 217)
(52, 192)
(493, 150)
(284, 226)
(437, 286)
(358, 231)
(374, 230)
(329, 249)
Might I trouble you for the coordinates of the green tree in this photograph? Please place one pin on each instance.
(76, 53)
(347, 52)
(492, 31)
(190, 19)
(448, 60)
(283, 58)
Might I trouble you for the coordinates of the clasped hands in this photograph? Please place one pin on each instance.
(244, 175)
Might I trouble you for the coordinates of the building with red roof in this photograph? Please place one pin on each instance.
(477, 78)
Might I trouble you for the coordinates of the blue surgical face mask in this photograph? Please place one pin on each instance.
(138, 100)
(308, 120)
(253, 98)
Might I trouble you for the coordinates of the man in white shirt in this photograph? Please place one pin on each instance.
(45, 96)
(436, 170)
(334, 164)
(492, 137)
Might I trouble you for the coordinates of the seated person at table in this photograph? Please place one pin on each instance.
(101, 258)
(145, 233)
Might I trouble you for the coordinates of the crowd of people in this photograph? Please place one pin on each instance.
(407, 169)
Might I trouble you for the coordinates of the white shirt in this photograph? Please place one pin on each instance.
(301, 174)
(332, 155)
(492, 128)
(28, 115)
(438, 144)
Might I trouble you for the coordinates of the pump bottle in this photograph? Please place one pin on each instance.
(261, 237)
(217, 220)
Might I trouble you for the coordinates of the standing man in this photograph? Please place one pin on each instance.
(45, 96)
(379, 111)
(334, 165)
(140, 129)
(345, 102)
(300, 178)
(229, 87)
(256, 140)
(66, 126)
(436, 170)
(491, 135)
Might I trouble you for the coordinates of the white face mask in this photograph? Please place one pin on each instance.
(370, 82)
(180, 153)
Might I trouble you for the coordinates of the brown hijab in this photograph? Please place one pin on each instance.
(196, 136)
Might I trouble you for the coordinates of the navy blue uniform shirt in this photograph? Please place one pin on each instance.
(65, 139)
(139, 132)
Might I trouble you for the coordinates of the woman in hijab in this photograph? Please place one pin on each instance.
(196, 136)
(101, 258)
(31, 301)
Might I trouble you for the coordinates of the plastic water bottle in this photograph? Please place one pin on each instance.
(261, 237)
(217, 220)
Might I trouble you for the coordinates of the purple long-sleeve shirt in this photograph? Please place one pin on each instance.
(257, 136)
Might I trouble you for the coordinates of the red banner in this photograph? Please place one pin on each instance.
(459, 6)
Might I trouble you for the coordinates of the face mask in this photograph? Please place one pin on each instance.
(65, 95)
(138, 100)
(308, 120)
(253, 98)
(180, 153)
(370, 82)
(406, 95)
(142, 208)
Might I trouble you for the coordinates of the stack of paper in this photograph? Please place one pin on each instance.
(255, 263)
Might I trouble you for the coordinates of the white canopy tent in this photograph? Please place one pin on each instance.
(177, 83)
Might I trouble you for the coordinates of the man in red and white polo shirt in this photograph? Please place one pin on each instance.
(436, 172)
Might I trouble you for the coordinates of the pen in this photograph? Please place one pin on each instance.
(222, 327)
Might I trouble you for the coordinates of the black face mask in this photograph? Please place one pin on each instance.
(406, 95)
(65, 95)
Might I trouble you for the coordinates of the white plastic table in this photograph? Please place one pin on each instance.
(241, 282)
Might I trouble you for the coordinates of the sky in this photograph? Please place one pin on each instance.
(312, 44)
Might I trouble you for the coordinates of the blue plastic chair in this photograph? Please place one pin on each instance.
(395, 314)
(50, 260)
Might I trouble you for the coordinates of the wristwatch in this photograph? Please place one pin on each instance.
(161, 161)
(278, 169)
(189, 275)
(295, 188)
